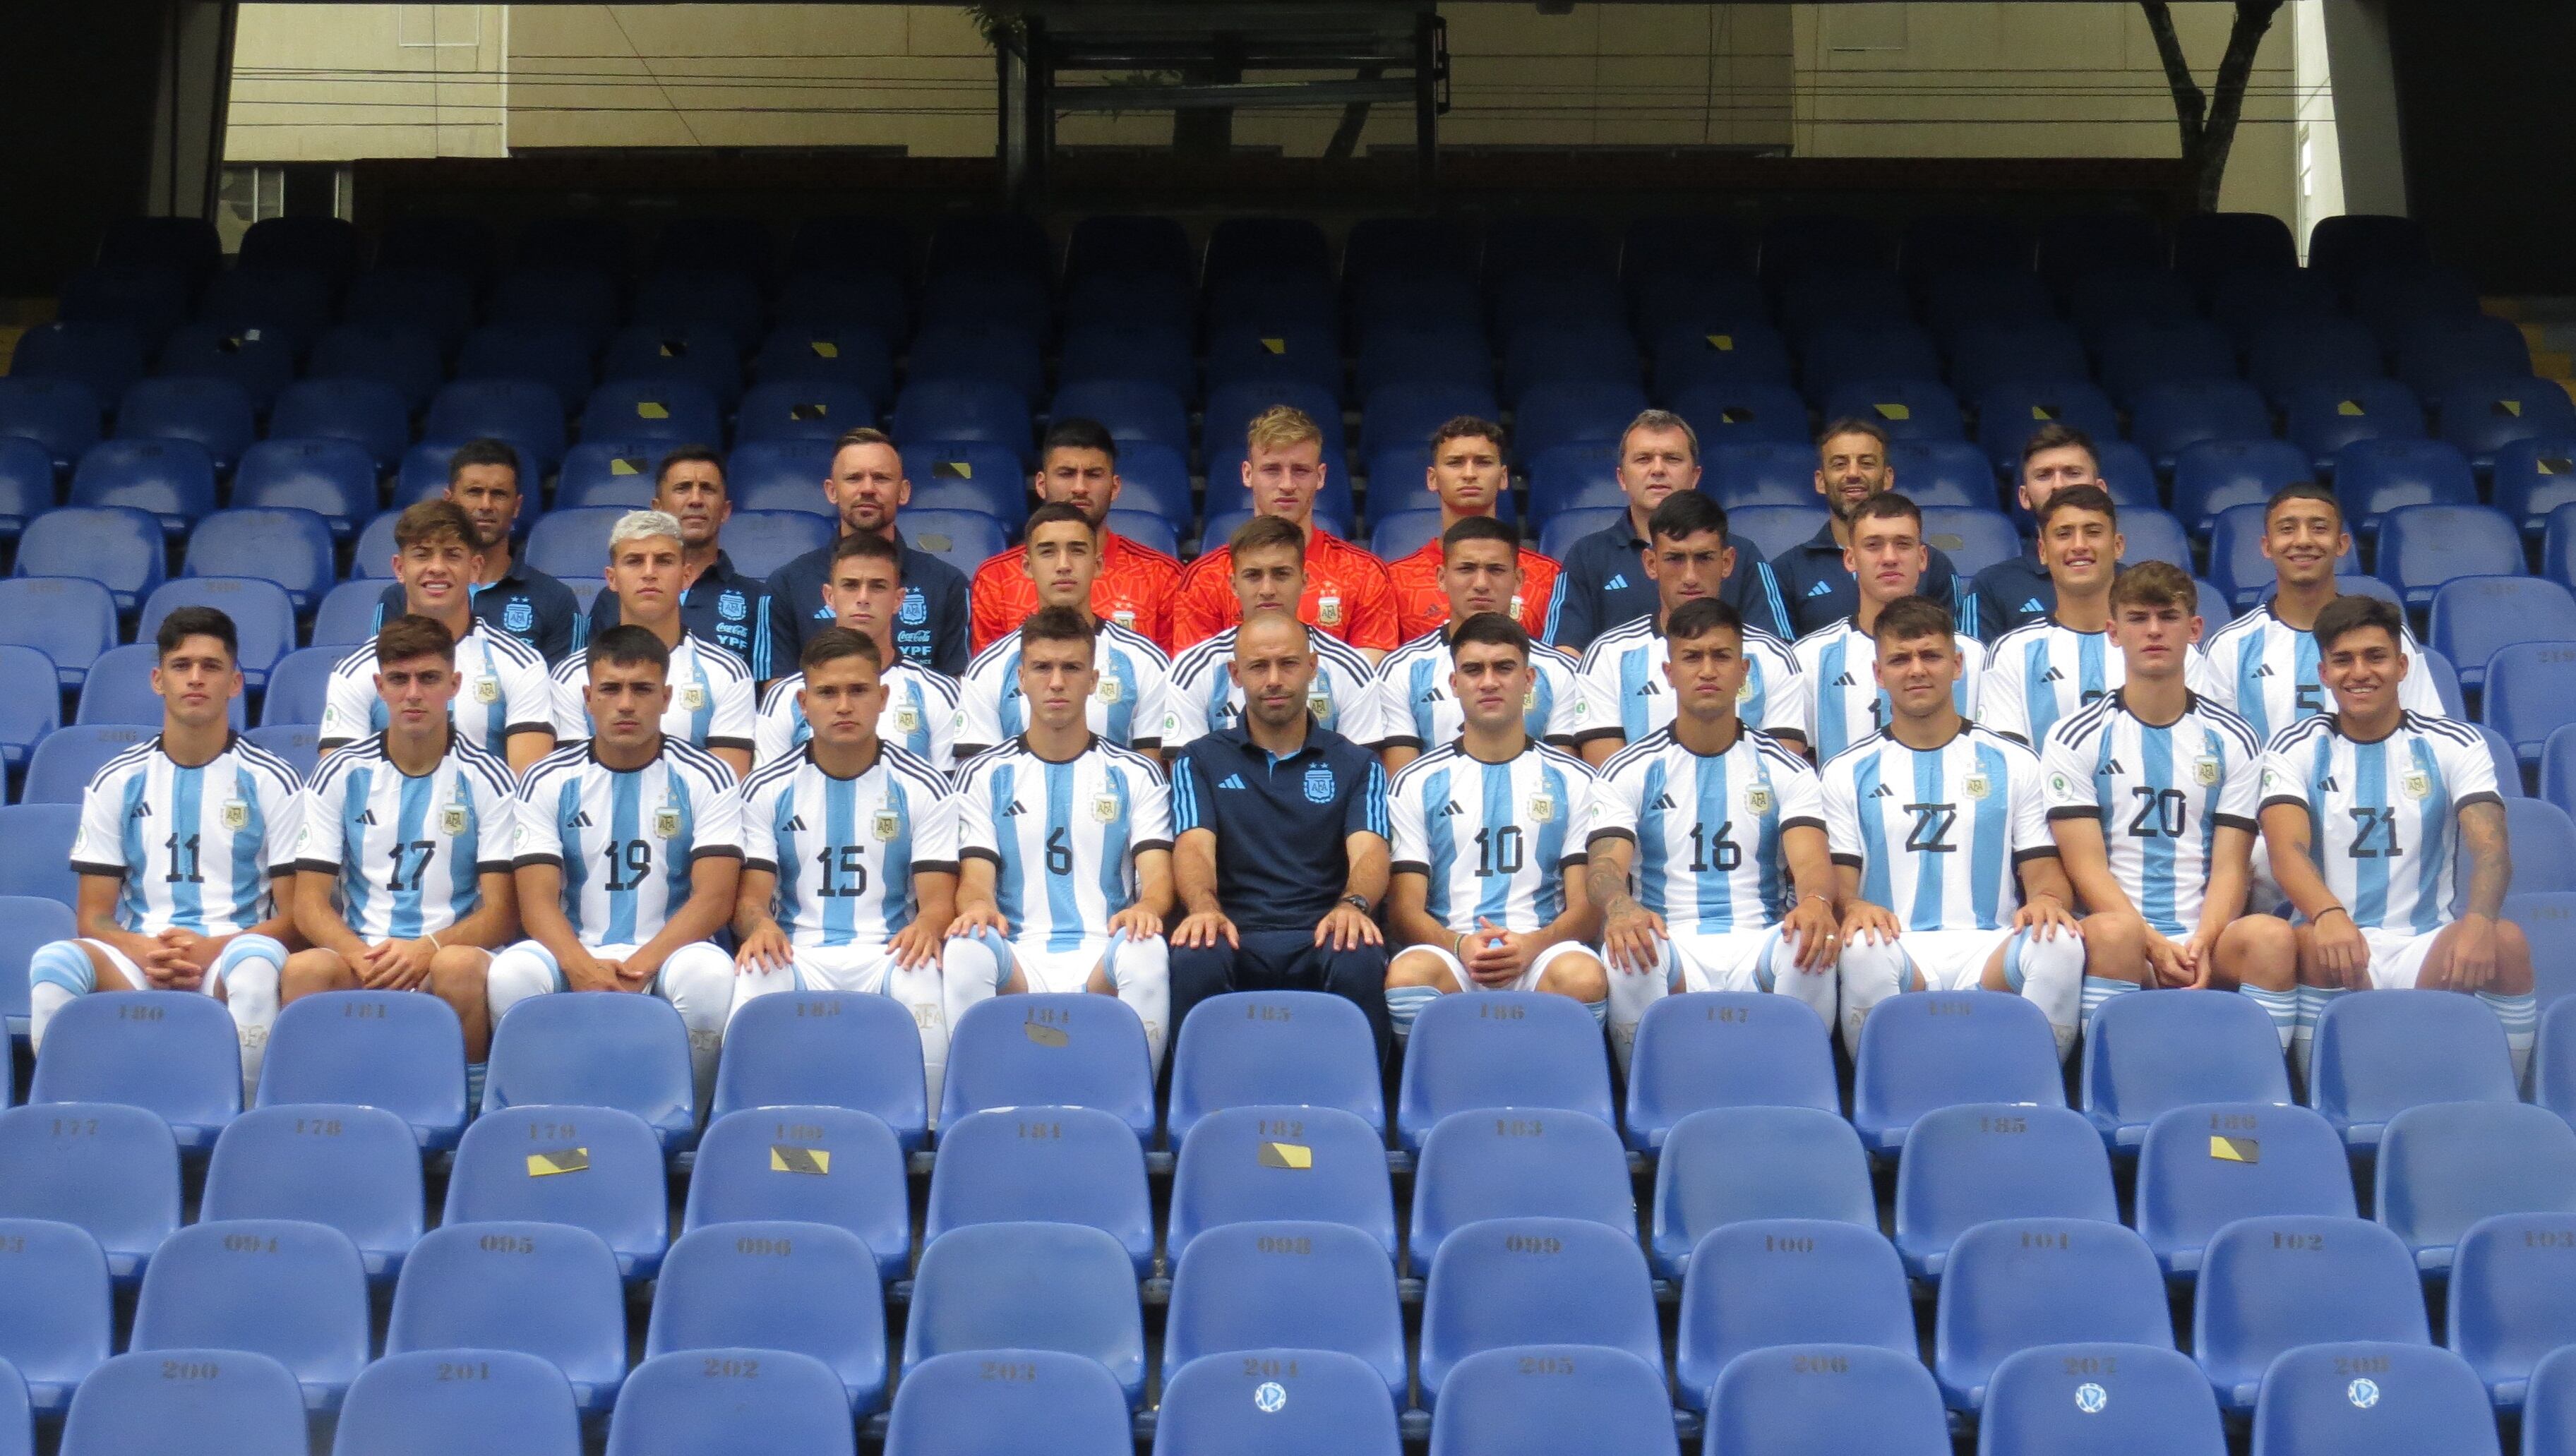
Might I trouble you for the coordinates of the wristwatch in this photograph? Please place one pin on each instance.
(1357, 902)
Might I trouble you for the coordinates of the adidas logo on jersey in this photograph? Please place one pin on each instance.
(141, 811)
(1430, 695)
(795, 824)
(1665, 801)
(2115, 768)
(1821, 589)
(2328, 787)
(580, 819)
(1450, 810)
(1231, 781)
(2264, 671)
(1647, 689)
(1882, 792)
(367, 817)
(2052, 675)
(1845, 681)
(1014, 811)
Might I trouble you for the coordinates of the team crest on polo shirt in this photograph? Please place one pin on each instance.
(2417, 783)
(666, 822)
(1977, 786)
(2204, 770)
(1757, 799)
(487, 689)
(1319, 785)
(1328, 611)
(914, 612)
(732, 607)
(888, 824)
(1104, 808)
(693, 697)
(237, 814)
(1542, 808)
(451, 820)
(518, 615)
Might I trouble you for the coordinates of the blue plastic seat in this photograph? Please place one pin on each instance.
(700, 354)
(626, 1052)
(151, 299)
(326, 247)
(2483, 416)
(1074, 1050)
(1967, 1164)
(528, 350)
(1764, 1283)
(1560, 414)
(968, 476)
(31, 705)
(2435, 352)
(606, 472)
(779, 475)
(2016, 1284)
(207, 1402)
(435, 298)
(1837, 353)
(1972, 539)
(824, 1165)
(2343, 247)
(780, 1285)
(257, 365)
(1533, 1400)
(710, 1402)
(1725, 1049)
(1396, 536)
(368, 413)
(2512, 1277)
(2008, 414)
(960, 411)
(55, 1310)
(2422, 547)
(2139, 355)
(1820, 1400)
(286, 545)
(2547, 920)
(1910, 409)
(1596, 350)
(2377, 1055)
(760, 542)
(2375, 476)
(280, 1287)
(2213, 476)
(404, 360)
(2203, 1167)
(1287, 1285)
(2288, 353)
(1255, 1163)
(1702, 352)
(400, 1053)
(296, 685)
(963, 539)
(1250, 1048)
(116, 547)
(104, 357)
(1131, 350)
(954, 300)
(2412, 1399)
(1571, 476)
(2444, 1166)
(652, 409)
(2098, 1400)
(70, 620)
(1729, 1165)
(2272, 1284)
(332, 479)
(1044, 1164)
(813, 409)
(1558, 533)
(60, 769)
(26, 922)
(508, 1404)
(2323, 418)
(1028, 1286)
(1502, 1282)
(571, 543)
(1933, 1049)
(2208, 245)
(543, 1289)
(356, 1169)
(592, 1167)
(2166, 418)
(1495, 1162)
(1988, 352)
(35, 851)
(579, 298)
(1752, 474)
(177, 1057)
(2146, 1055)
(973, 1404)
(849, 354)
(109, 1169)
(826, 1048)
(60, 415)
(1275, 1403)
(526, 412)
(1522, 1050)
(262, 610)
(2528, 689)
(2534, 478)
(1944, 473)
(171, 479)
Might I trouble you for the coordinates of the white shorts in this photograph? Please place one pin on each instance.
(1057, 971)
(1731, 960)
(597, 952)
(860, 968)
(1952, 960)
(1526, 981)
(2397, 957)
(133, 973)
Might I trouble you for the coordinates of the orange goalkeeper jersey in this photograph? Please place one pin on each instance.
(1134, 590)
(1421, 605)
(1347, 595)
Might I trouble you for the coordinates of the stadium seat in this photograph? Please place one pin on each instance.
(1704, 352)
(1730, 1165)
(825, 1048)
(1836, 355)
(59, 770)
(2342, 246)
(2210, 244)
(2008, 414)
(1118, 244)
(1492, 1163)
(675, 410)
(560, 356)
(1280, 351)
(783, 1285)
(1156, 533)
(2098, 1400)
(1724, 1049)
(1949, 473)
(2126, 291)
(1286, 1285)
(2323, 418)
(2413, 1399)
(2534, 478)
(2287, 354)
(1819, 1400)
(36, 850)
(173, 480)
(1988, 352)
(577, 297)
(1248, 1164)
(2166, 417)
(1534, 1281)
(2547, 920)
(31, 706)
(110, 1169)
(956, 411)
(610, 471)
(779, 475)
(1532, 1400)
(953, 1405)
(1912, 411)
(1823, 289)
(437, 301)
(1974, 539)
(286, 545)
(2527, 692)
(2139, 354)
(399, 1053)
(2146, 1055)
(2017, 1284)
(1557, 535)
(262, 609)
(2373, 477)
(2271, 1284)
(2475, 616)
(2509, 1304)
(1574, 476)
(1134, 350)
(539, 1288)
(963, 539)
(149, 300)
(1932, 1049)
(849, 354)
(1248, 1048)
(55, 1312)
(1559, 414)
(1155, 480)
(207, 1402)
(2236, 560)
(511, 1404)
(326, 247)
(1044, 1164)
(570, 543)
(354, 1168)
(1764, 1283)
(70, 620)
(713, 1402)
(104, 358)
(528, 414)
(2483, 416)
(2443, 1167)
(1967, 1164)
(760, 542)
(61, 415)
(2202, 1167)
(701, 354)
(296, 684)
(404, 360)
(595, 1168)
(26, 923)
(1518, 1049)
(2435, 353)
(188, 246)
(1074, 1050)
(333, 479)
(280, 1287)
(2377, 1055)
(176, 1056)
(1281, 1400)
(2213, 476)
(968, 476)
(997, 351)
(825, 1165)
(1028, 1286)
(258, 365)
(1404, 413)
(1401, 534)
(2398, 300)
(2154, 535)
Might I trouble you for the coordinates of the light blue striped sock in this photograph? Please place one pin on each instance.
(2521, 1018)
(474, 1088)
(2284, 1009)
(2098, 989)
(57, 974)
(2312, 1005)
(1403, 1003)
(1600, 1011)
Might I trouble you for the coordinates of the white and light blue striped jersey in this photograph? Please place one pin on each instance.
(1203, 697)
(2265, 671)
(1707, 829)
(2383, 817)
(1127, 708)
(845, 850)
(1495, 841)
(1938, 834)
(625, 840)
(1062, 837)
(502, 690)
(408, 853)
(1625, 694)
(1416, 708)
(2040, 673)
(2161, 795)
(1837, 673)
(711, 698)
(196, 847)
(920, 717)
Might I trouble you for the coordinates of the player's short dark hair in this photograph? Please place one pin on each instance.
(1477, 528)
(1264, 533)
(2299, 490)
(693, 455)
(427, 522)
(1888, 505)
(1684, 514)
(1700, 616)
(484, 452)
(626, 645)
(1073, 432)
(1057, 624)
(1907, 618)
(861, 435)
(1055, 513)
(2348, 614)
(1493, 629)
(1469, 427)
(1852, 425)
(2079, 498)
(412, 635)
(2155, 585)
(186, 622)
(870, 545)
(2057, 435)
(834, 643)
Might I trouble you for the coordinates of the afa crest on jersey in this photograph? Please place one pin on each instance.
(237, 814)
(519, 615)
(2417, 783)
(1104, 808)
(1757, 799)
(887, 825)
(1319, 706)
(666, 822)
(1328, 611)
(693, 697)
(487, 689)
(1977, 786)
(2204, 771)
(908, 718)
(452, 820)
(1109, 689)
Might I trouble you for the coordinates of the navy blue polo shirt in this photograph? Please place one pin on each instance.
(1811, 588)
(1604, 585)
(2014, 592)
(724, 606)
(523, 601)
(1280, 823)
(929, 628)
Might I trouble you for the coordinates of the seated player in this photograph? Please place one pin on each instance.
(1623, 694)
(718, 602)
(711, 704)
(1064, 844)
(1346, 591)
(1269, 576)
(1485, 831)
(403, 862)
(1480, 571)
(1945, 870)
(1814, 584)
(865, 594)
(179, 839)
(2152, 796)
(2364, 809)
(1468, 478)
(2063, 659)
(503, 702)
(2018, 590)
(1062, 559)
(849, 843)
(1707, 844)
(1844, 702)
(628, 855)
(1078, 465)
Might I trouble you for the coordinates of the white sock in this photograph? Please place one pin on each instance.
(1869, 972)
(2312, 1004)
(971, 971)
(58, 973)
(2283, 1007)
(698, 982)
(920, 991)
(1779, 969)
(1403, 1003)
(2521, 1018)
(1140, 971)
(522, 971)
(1632, 995)
(248, 970)
(2049, 974)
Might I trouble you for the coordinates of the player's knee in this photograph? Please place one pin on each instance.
(2510, 941)
(1582, 977)
(2115, 945)
(311, 972)
(2260, 951)
(459, 972)
(1417, 968)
